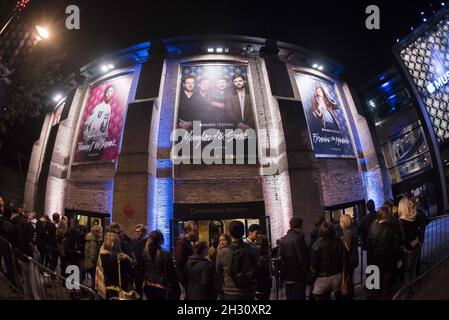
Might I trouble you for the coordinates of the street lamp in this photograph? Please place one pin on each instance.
(41, 33)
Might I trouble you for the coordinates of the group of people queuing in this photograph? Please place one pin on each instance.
(233, 267)
(391, 238)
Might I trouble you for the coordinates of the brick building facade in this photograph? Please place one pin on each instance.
(143, 185)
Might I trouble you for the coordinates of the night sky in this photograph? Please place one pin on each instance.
(333, 28)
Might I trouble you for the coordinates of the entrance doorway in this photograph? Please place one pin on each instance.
(88, 219)
(210, 230)
(216, 227)
(355, 209)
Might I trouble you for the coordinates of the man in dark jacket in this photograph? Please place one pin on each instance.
(42, 238)
(7, 227)
(366, 221)
(295, 259)
(52, 244)
(138, 246)
(184, 249)
(23, 240)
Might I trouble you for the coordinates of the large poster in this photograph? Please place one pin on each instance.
(101, 124)
(215, 114)
(325, 117)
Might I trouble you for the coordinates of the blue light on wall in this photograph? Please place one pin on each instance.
(386, 86)
(160, 207)
(373, 190)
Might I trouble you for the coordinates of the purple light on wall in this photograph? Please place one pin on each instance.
(160, 207)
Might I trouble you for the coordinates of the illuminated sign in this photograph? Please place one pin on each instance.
(426, 59)
(439, 83)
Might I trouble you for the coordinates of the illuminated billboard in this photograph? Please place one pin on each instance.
(215, 114)
(101, 124)
(426, 59)
(325, 116)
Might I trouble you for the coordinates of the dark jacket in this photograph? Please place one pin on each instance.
(22, 242)
(327, 257)
(8, 230)
(233, 106)
(110, 267)
(383, 247)
(199, 280)
(363, 227)
(183, 250)
(71, 246)
(138, 246)
(295, 265)
(52, 243)
(161, 270)
(350, 253)
(41, 235)
(412, 232)
(264, 278)
(314, 236)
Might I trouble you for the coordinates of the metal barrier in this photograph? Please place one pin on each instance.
(434, 282)
(33, 281)
(431, 285)
(436, 242)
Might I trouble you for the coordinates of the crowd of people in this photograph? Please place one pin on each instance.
(234, 267)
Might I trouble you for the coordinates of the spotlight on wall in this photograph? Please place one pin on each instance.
(210, 50)
(57, 97)
(219, 50)
(372, 104)
(110, 66)
(318, 66)
(104, 68)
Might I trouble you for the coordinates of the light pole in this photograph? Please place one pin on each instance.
(20, 5)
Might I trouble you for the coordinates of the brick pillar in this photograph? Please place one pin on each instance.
(297, 186)
(133, 182)
(303, 169)
(132, 177)
(56, 188)
(34, 170)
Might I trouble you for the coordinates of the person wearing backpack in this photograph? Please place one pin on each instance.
(237, 264)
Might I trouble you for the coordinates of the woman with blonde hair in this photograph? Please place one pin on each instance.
(112, 258)
(412, 227)
(350, 254)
